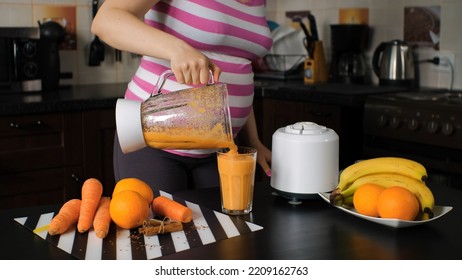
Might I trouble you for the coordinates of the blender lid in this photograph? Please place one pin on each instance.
(305, 128)
(128, 123)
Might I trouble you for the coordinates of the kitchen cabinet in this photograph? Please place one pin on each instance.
(38, 154)
(45, 158)
(98, 128)
(274, 113)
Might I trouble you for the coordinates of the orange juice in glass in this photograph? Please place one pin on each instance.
(237, 177)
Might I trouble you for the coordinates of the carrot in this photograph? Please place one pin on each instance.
(92, 190)
(67, 216)
(165, 207)
(102, 219)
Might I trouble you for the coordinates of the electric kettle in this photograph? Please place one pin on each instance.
(393, 63)
(304, 161)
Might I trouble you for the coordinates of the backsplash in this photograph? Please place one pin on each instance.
(386, 19)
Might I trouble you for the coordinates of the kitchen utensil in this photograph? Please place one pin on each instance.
(96, 46)
(315, 70)
(393, 63)
(313, 27)
(314, 67)
(305, 160)
(308, 41)
(193, 118)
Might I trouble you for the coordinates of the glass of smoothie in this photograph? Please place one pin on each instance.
(237, 177)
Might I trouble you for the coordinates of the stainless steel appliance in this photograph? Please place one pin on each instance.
(393, 63)
(348, 63)
(19, 59)
(425, 126)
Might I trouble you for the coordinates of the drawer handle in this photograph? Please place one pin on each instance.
(79, 180)
(36, 124)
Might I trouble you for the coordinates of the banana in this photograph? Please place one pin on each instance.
(348, 200)
(418, 188)
(395, 165)
(345, 197)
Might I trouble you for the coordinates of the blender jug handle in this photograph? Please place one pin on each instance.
(168, 73)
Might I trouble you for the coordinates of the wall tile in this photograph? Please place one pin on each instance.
(16, 2)
(9, 15)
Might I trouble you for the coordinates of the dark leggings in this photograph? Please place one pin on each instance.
(166, 171)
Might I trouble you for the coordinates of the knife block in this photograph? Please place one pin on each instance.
(315, 67)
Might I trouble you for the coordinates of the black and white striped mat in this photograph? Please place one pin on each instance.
(207, 226)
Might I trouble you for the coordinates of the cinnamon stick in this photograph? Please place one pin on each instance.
(154, 227)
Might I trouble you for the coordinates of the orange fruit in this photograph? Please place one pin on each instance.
(128, 209)
(398, 203)
(134, 184)
(365, 199)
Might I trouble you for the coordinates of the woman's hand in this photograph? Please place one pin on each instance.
(264, 159)
(249, 137)
(193, 67)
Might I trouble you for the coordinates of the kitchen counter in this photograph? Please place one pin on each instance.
(313, 230)
(348, 95)
(65, 99)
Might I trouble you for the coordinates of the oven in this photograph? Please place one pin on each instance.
(425, 126)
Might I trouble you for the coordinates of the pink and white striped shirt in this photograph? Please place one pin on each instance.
(231, 33)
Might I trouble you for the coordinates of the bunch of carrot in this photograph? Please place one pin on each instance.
(91, 210)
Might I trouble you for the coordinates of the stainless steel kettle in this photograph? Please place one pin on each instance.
(393, 63)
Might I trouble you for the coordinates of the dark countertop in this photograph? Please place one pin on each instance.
(313, 230)
(102, 96)
(65, 99)
(349, 95)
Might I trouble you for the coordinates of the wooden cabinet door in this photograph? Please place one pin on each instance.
(38, 155)
(98, 142)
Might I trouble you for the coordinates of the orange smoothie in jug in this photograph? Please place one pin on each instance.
(189, 138)
(188, 119)
(237, 175)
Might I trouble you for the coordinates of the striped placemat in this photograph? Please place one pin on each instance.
(207, 226)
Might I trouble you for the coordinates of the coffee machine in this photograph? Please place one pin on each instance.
(348, 64)
(51, 35)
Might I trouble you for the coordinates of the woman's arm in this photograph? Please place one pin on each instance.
(249, 136)
(120, 24)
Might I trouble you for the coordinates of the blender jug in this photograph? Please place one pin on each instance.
(193, 118)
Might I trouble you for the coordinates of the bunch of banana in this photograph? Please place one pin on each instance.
(387, 172)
